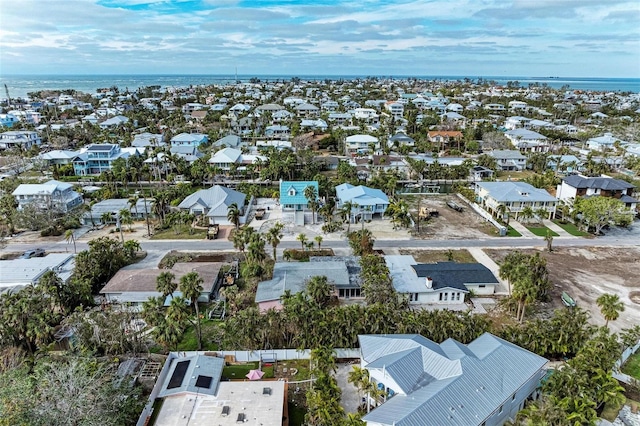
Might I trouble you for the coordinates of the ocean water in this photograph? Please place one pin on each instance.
(21, 85)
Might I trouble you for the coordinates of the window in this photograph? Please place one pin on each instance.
(457, 296)
(500, 410)
(440, 296)
(482, 286)
(513, 397)
(292, 192)
(446, 295)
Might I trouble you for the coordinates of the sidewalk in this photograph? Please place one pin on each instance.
(558, 230)
(522, 229)
(481, 257)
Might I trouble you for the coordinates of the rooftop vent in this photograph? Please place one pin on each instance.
(266, 391)
(225, 410)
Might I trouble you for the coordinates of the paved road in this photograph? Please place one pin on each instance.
(618, 239)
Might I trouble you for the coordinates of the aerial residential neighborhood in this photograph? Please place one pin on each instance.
(373, 251)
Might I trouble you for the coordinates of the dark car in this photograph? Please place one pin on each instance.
(32, 253)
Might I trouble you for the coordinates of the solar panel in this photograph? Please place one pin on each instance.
(203, 382)
(178, 375)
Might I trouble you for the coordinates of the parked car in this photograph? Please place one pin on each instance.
(32, 253)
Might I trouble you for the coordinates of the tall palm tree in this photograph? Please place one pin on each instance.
(345, 212)
(70, 237)
(233, 215)
(166, 284)
(311, 195)
(274, 236)
(610, 307)
(191, 288)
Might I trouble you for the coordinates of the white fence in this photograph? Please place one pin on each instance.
(486, 215)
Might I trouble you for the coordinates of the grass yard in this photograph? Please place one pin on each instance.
(571, 229)
(541, 230)
(632, 366)
(432, 256)
(512, 232)
(238, 371)
(210, 334)
(611, 411)
(183, 233)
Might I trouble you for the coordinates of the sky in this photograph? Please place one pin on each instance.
(531, 38)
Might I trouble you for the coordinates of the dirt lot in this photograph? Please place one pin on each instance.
(450, 224)
(586, 273)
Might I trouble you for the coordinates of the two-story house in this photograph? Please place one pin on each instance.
(360, 144)
(527, 140)
(445, 138)
(191, 139)
(365, 202)
(509, 159)
(515, 197)
(97, 158)
(579, 186)
(52, 195)
(294, 203)
(22, 139)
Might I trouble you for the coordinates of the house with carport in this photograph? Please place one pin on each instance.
(294, 204)
(366, 202)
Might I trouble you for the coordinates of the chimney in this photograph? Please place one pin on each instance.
(429, 282)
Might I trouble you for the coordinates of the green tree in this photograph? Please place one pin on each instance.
(610, 307)
(166, 284)
(233, 215)
(274, 236)
(303, 240)
(318, 239)
(311, 194)
(191, 288)
(70, 237)
(376, 280)
(361, 242)
(598, 212)
(319, 290)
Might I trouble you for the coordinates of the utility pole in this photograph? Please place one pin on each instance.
(6, 90)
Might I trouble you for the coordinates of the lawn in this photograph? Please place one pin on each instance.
(512, 232)
(210, 334)
(611, 411)
(432, 256)
(632, 366)
(540, 230)
(183, 233)
(571, 229)
(239, 371)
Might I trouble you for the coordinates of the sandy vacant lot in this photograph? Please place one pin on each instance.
(586, 273)
(450, 224)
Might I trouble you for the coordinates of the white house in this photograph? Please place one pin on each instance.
(366, 202)
(579, 186)
(19, 273)
(359, 144)
(50, 195)
(484, 383)
(443, 283)
(604, 142)
(515, 196)
(191, 139)
(528, 140)
(22, 139)
(509, 160)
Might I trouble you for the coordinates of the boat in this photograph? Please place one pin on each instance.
(568, 300)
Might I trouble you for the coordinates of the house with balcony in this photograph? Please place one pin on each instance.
(360, 144)
(229, 158)
(509, 159)
(575, 186)
(8, 120)
(294, 204)
(368, 115)
(190, 139)
(527, 140)
(515, 197)
(366, 202)
(396, 109)
(339, 118)
(484, 383)
(147, 140)
(306, 110)
(21, 139)
(52, 195)
(445, 138)
(606, 142)
(97, 158)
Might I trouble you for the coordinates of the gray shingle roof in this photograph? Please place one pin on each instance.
(608, 184)
(453, 385)
(456, 275)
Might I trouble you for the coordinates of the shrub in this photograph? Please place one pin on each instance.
(303, 256)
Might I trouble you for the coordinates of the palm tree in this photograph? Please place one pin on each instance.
(191, 288)
(549, 239)
(311, 195)
(318, 239)
(233, 215)
(69, 236)
(106, 218)
(126, 218)
(166, 284)
(610, 307)
(274, 236)
(303, 239)
(345, 212)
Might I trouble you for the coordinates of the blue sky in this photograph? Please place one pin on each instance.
(578, 38)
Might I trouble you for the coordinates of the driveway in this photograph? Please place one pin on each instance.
(351, 398)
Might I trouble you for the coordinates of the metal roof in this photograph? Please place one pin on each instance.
(454, 385)
(361, 195)
(216, 199)
(515, 192)
(298, 191)
(184, 374)
(28, 271)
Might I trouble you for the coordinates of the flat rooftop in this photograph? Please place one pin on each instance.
(258, 402)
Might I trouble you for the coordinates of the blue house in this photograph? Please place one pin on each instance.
(97, 158)
(365, 201)
(294, 203)
(189, 139)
